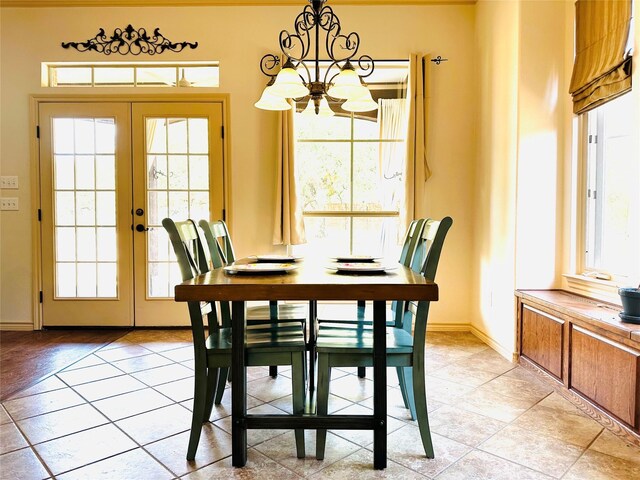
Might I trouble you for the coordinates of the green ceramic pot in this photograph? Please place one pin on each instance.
(630, 297)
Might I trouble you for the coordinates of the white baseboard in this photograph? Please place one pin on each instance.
(448, 327)
(506, 353)
(16, 327)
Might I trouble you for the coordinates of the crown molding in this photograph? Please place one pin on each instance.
(202, 3)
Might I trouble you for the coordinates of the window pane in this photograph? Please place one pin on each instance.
(105, 172)
(66, 280)
(326, 237)
(314, 127)
(157, 208)
(70, 76)
(105, 135)
(157, 171)
(84, 136)
(177, 135)
(156, 135)
(85, 175)
(178, 172)
(107, 280)
(367, 182)
(86, 244)
(377, 236)
(198, 135)
(107, 244)
(324, 176)
(65, 244)
(87, 282)
(198, 172)
(113, 76)
(64, 172)
(63, 134)
(156, 76)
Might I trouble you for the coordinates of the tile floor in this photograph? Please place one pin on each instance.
(124, 413)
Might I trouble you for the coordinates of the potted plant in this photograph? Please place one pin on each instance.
(630, 297)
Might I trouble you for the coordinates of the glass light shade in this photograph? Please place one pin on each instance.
(323, 111)
(363, 102)
(269, 101)
(345, 85)
(288, 84)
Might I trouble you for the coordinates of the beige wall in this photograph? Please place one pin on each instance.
(238, 37)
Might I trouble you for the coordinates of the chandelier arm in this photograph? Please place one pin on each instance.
(269, 65)
(329, 79)
(350, 43)
(366, 65)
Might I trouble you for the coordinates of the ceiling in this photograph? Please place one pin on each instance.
(131, 3)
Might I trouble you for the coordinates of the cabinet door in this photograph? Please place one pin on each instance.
(607, 373)
(542, 340)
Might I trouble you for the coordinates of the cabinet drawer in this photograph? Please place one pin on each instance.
(607, 373)
(542, 339)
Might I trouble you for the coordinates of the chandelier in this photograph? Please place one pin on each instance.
(301, 75)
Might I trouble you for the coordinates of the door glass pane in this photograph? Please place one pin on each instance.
(84, 218)
(177, 187)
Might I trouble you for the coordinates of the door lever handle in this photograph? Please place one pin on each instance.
(141, 228)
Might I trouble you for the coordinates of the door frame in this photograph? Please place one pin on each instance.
(34, 153)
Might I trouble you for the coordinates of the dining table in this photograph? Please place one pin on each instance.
(310, 281)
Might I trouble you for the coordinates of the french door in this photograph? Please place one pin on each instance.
(110, 172)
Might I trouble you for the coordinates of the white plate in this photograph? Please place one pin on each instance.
(277, 258)
(355, 258)
(260, 267)
(360, 267)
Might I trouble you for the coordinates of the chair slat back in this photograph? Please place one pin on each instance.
(434, 234)
(413, 235)
(218, 240)
(192, 261)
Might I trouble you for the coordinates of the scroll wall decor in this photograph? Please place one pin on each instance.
(129, 42)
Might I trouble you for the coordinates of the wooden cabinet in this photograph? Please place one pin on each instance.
(582, 346)
(542, 339)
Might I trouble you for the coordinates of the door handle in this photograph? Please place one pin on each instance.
(141, 228)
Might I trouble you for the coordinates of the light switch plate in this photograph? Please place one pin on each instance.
(8, 203)
(9, 182)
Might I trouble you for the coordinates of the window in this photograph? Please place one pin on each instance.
(612, 196)
(123, 74)
(350, 174)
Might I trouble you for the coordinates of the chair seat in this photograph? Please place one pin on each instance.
(351, 314)
(284, 312)
(258, 341)
(342, 338)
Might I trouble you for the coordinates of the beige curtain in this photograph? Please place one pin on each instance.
(289, 225)
(417, 170)
(602, 67)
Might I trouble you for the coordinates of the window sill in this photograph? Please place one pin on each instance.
(605, 290)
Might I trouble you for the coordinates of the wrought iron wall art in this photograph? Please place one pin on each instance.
(438, 60)
(129, 42)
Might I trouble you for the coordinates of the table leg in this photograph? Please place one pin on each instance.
(379, 385)
(313, 305)
(238, 386)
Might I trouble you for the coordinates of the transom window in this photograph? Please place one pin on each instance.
(124, 74)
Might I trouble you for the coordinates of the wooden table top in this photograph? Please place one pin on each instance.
(310, 281)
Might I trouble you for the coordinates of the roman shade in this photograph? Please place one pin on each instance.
(602, 68)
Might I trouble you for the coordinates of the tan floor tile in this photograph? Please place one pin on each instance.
(405, 447)
(282, 449)
(46, 385)
(145, 362)
(463, 426)
(4, 416)
(109, 387)
(538, 452)
(577, 429)
(156, 424)
(122, 353)
(165, 374)
(352, 388)
(215, 444)
(257, 436)
(42, 403)
(395, 405)
(179, 390)
(79, 449)
(514, 388)
(135, 464)
(364, 437)
(268, 389)
(60, 423)
(10, 438)
(478, 465)
(181, 354)
(359, 466)
(491, 361)
(464, 374)
(89, 374)
(612, 445)
(598, 466)
(133, 403)
(492, 404)
(258, 467)
(445, 391)
(22, 465)
(88, 361)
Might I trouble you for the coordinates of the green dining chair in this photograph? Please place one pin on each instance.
(411, 255)
(218, 240)
(348, 345)
(265, 345)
